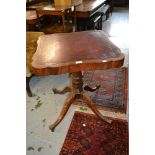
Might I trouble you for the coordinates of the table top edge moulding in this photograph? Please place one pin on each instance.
(76, 51)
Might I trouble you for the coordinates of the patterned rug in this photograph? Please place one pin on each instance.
(95, 137)
(114, 88)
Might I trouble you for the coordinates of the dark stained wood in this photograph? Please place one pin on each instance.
(89, 7)
(77, 82)
(63, 112)
(50, 9)
(35, 2)
(86, 9)
(28, 90)
(68, 103)
(63, 91)
(73, 52)
(88, 88)
(77, 93)
(92, 106)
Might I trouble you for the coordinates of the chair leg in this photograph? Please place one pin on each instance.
(107, 14)
(111, 10)
(28, 90)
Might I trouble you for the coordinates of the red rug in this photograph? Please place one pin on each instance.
(89, 135)
(114, 88)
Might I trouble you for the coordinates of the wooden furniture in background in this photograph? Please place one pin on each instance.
(85, 16)
(73, 53)
(121, 3)
(67, 2)
(33, 2)
(43, 9)
(32, 20)
(89, 7)
(89, 14)
(31, 46)
(55, 11)
(92, 23)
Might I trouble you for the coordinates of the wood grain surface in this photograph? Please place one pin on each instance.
(76, 51)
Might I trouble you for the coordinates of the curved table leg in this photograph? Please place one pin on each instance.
(94, 109)
(63, 91)
(88, 88)
(28, 90)
(64, 110)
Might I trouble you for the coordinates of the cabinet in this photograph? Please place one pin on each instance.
(120, 2)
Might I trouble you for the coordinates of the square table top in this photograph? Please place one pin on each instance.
(76, 51)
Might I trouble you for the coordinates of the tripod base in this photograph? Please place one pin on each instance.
(77, 93)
